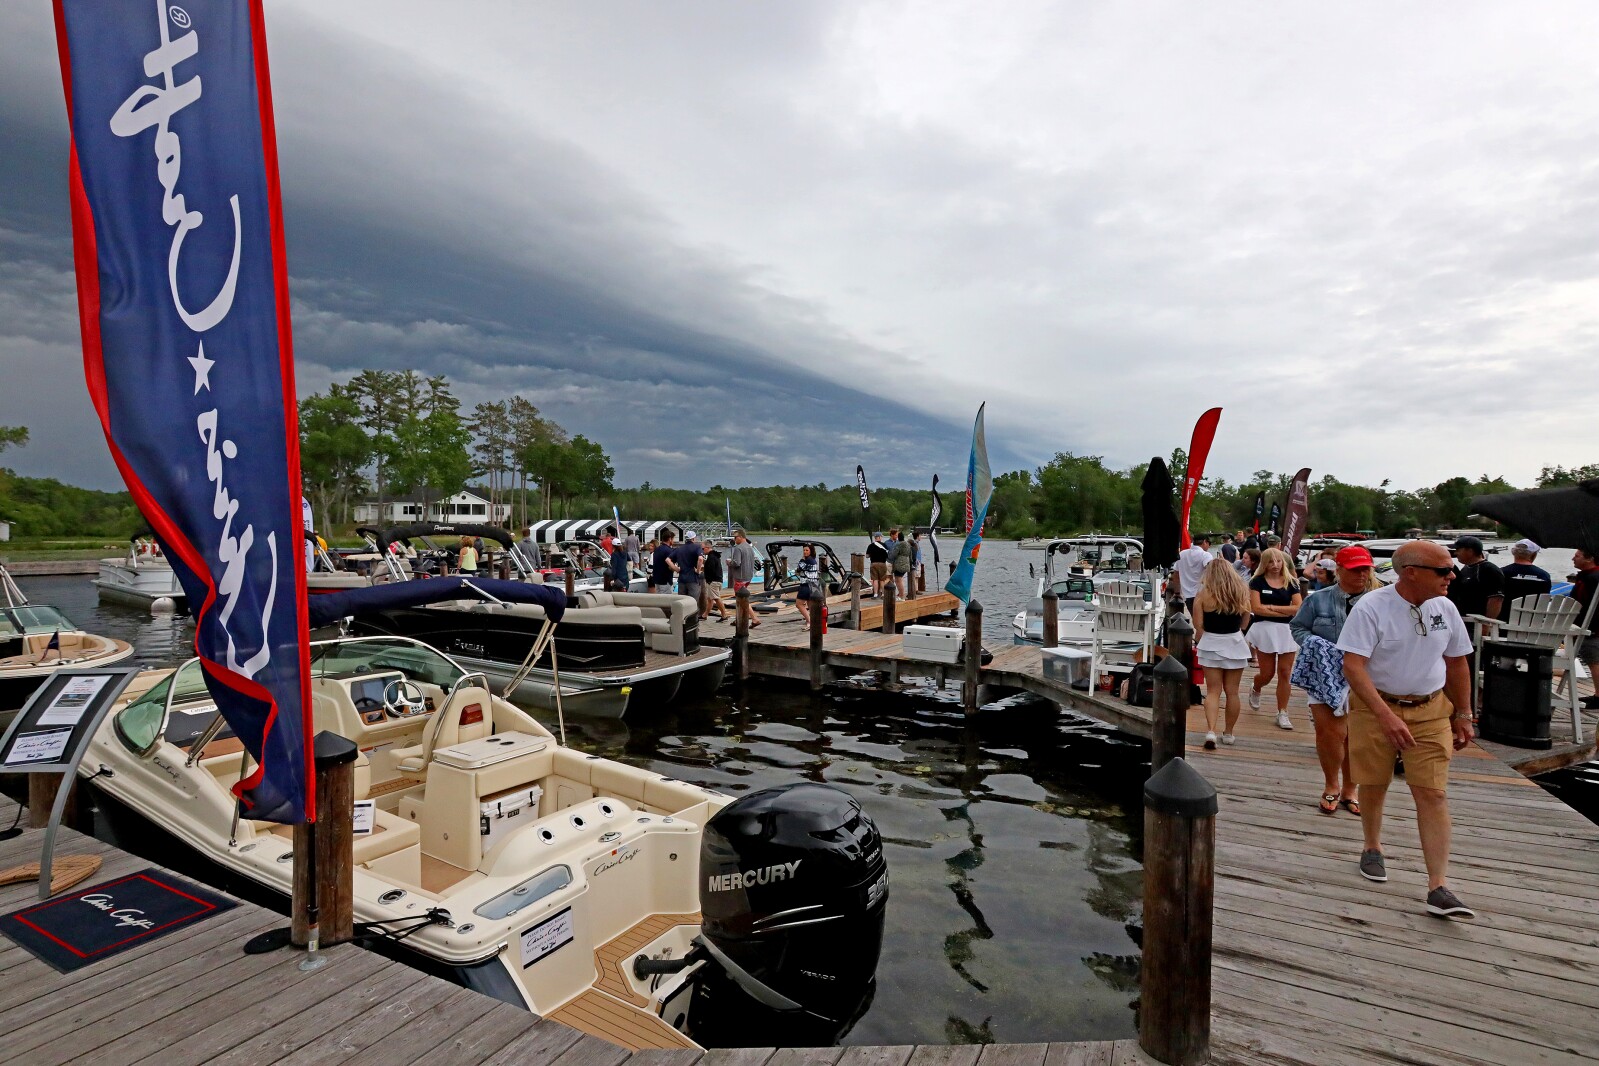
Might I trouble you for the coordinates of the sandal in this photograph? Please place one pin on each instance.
(1350, 805)
(1329, 803)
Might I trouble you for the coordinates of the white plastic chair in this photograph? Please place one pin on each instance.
(1124, 629)
(1542, 621)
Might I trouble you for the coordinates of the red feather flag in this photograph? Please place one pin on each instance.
(1198, 452)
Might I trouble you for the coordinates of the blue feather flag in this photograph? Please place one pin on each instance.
(980, 490)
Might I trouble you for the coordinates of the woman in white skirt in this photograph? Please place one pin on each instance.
(1273, 599)
(1221, 614)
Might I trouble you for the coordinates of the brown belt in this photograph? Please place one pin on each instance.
(1408, 701)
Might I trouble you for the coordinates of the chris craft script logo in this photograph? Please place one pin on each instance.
(125, 916)
(155, 105)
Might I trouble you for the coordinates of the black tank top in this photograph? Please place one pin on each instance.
(1222, 624)
(1282, 597)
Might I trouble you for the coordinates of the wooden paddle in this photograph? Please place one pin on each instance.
(65, 871)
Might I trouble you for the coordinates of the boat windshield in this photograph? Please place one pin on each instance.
(34, 619)
(370, 655)
(144, 721)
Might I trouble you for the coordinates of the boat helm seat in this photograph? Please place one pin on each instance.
(468, 716)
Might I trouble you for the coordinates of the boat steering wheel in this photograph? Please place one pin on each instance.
(403, 698)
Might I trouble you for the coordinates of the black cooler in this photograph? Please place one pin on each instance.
(1515, 693)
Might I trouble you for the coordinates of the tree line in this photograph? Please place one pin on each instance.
(402, 434)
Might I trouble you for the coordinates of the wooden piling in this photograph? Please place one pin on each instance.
(921, 578)
(889, 593)
(570, 579)
(818, 621)
(42, 797)
(1179, 637)
(1051, 618)
(855, 580)
(857, 563)
(1169, 727)
(972, 655)
(334, 838)
(1179, 889)
(741, 633)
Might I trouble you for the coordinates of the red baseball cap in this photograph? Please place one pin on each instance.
(1353, 556)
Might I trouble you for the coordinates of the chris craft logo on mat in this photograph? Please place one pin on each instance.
(113, 916)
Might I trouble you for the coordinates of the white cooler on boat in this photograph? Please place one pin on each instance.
(933, 644)
(503, 813)
(1066, 664)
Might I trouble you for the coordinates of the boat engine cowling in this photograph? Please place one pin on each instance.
(793, 891)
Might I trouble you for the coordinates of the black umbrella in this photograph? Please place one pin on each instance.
(1160, 521)
(1564, 517)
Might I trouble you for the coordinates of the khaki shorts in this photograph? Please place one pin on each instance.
(1371, 755)
(879, 571)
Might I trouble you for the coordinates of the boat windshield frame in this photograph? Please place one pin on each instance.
(24, 619)
(410, 657)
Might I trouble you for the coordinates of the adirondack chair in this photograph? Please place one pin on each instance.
(1566, 657)
(1124, 629)
(1542, 621)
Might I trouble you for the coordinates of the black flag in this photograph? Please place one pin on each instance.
(1260, 509)
(1276, 515)
(932, 521)
(866, 499)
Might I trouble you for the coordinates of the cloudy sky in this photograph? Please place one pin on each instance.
(758, 243)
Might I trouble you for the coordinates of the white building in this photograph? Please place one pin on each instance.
(462, 507)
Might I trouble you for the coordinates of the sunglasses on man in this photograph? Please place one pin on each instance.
(1441, 571)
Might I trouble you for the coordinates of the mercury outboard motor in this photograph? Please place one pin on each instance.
(793, 889)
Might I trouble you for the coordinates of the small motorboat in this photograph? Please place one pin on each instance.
(1092, 564)
(613, 651)
(605, 896)
(36, 640)
(142, 578)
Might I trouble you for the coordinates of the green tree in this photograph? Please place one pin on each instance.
(334, 449)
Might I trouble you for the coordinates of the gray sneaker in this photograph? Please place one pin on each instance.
(1372, 868)
(1442, 903)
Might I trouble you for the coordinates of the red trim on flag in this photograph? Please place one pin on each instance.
(291, 406)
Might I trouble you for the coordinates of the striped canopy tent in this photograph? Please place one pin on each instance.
(553, 531)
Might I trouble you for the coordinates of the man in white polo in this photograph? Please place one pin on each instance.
(1406, 656)
(1191, 563)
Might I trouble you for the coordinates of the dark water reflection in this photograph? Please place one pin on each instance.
(1012, 840)
(1011, 849)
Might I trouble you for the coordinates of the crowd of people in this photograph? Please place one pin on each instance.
(1386, 669)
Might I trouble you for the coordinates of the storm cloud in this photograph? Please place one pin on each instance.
(762, 243)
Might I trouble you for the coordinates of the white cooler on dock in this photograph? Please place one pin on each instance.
(933, 644)
(505, 812)
(1066, 664)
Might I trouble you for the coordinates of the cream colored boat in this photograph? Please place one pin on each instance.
(535, 873)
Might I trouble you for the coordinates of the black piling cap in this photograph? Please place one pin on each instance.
(333, 750)
(973, 607)
(1169, 668)
(1178, 788)
(1179, 623)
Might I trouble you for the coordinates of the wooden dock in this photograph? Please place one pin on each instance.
(194, 997)
(1312, 963)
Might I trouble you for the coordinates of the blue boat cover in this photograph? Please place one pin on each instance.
(329, 607)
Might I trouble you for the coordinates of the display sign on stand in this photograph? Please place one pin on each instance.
(52, 732)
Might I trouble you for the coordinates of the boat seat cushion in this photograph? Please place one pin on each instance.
(471, 702)
(390, 833)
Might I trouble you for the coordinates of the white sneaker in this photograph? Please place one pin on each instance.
(1254, 699)
(1228, 739)
(1210, 741)
(1282, 720)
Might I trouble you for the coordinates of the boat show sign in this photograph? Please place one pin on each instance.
(1298, 509)
(184, 307)
(866, 498)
